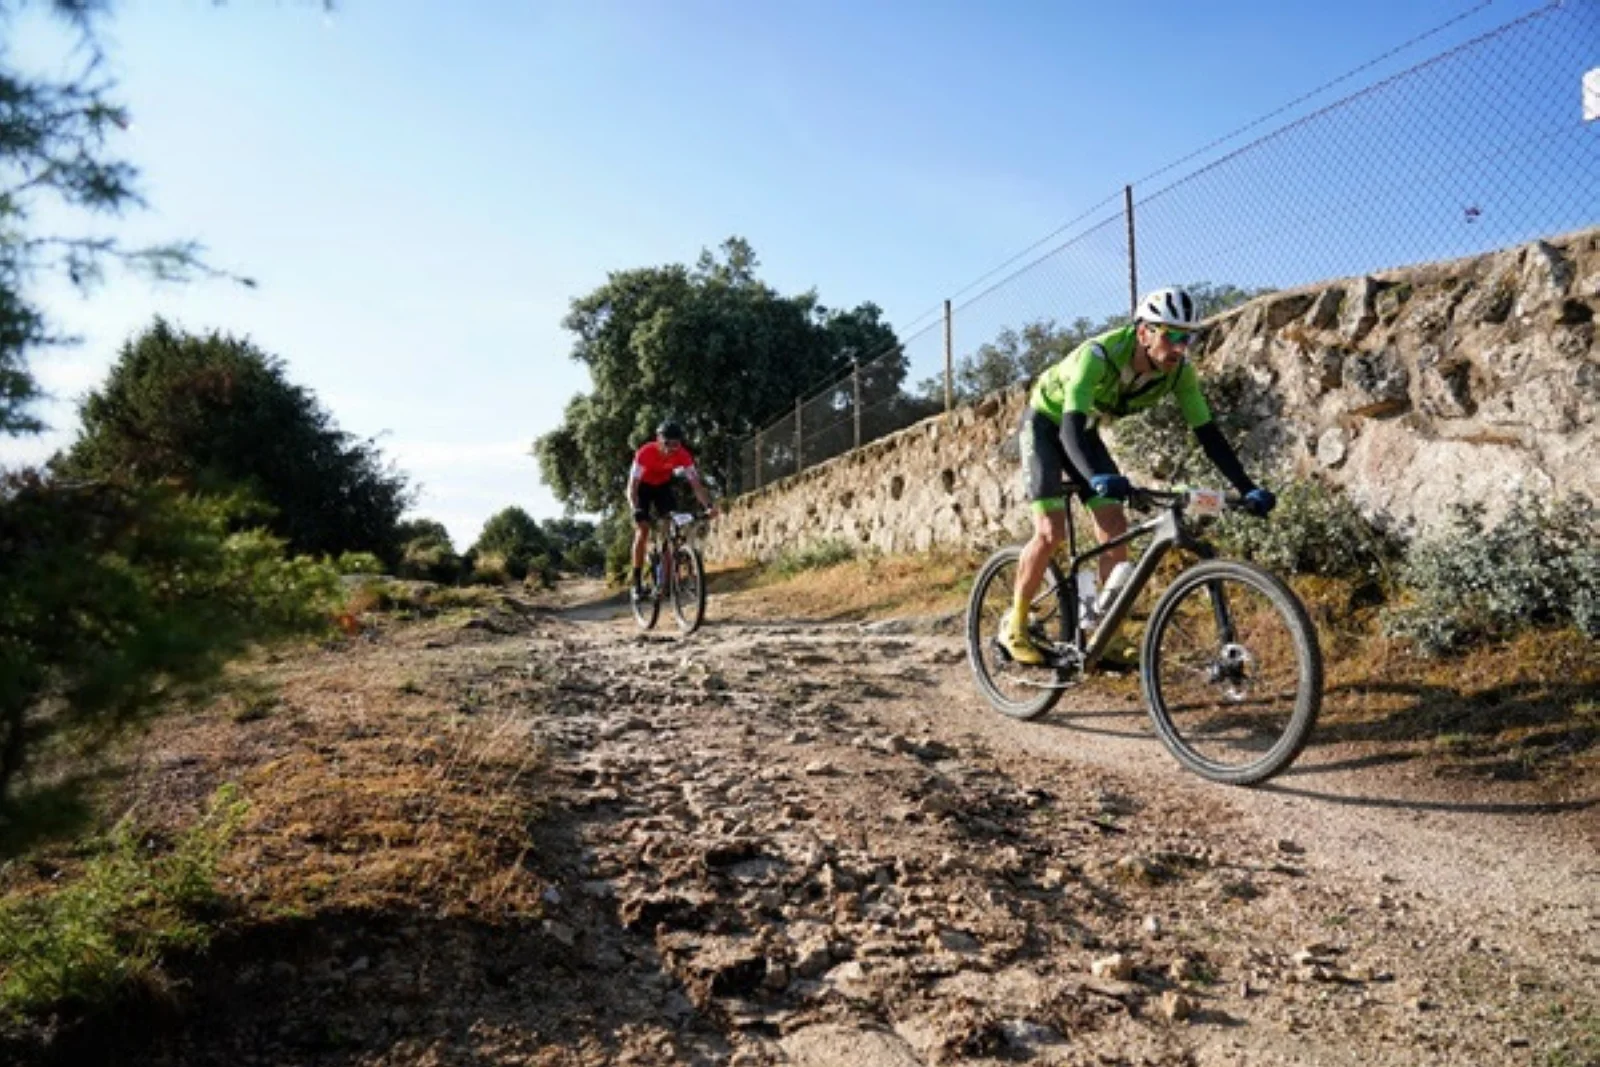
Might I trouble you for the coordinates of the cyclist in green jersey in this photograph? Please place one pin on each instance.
(1117, 373)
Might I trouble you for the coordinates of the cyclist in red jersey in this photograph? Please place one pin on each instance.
(650, 491)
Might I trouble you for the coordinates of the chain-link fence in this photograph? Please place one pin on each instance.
(1484, 146)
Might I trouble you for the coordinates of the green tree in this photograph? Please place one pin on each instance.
(513, 545)
(213, 414)
(54, 156)
(116, 600)
(712, 346)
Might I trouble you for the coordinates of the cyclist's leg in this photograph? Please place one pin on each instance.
(650, 505)
(1042, 461)
(1110, 518)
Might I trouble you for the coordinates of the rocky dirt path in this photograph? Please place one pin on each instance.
(812, 844)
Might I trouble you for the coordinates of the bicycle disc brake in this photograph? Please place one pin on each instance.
(1229, 670)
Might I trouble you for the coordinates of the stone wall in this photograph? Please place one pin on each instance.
(1409, 389)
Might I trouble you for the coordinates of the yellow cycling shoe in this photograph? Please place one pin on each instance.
(1016, 641)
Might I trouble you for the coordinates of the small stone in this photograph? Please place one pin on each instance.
(1175, 1006)
(1116, 966)
(1152, 926)
(958, 941)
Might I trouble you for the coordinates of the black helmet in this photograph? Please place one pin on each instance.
(669, 431)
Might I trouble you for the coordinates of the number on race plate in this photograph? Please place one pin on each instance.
(1205, 502)
(681, 518)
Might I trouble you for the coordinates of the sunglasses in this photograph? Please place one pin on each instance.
(1179, 337)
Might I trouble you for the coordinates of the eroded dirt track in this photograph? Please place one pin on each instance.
(795, 843)
(835, 853)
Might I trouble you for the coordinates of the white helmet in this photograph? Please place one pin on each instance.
(1169, 307)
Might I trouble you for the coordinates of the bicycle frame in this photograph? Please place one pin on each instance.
(1169, 533)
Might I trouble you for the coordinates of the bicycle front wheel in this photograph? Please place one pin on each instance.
(647, 607)
(1015, 690)
(689, 589)
(1232, 672)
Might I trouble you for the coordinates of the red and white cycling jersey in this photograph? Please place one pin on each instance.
(654, 466)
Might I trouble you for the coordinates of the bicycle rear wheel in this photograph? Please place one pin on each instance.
(689, 589)
(1232, 672)
(647, 607)
(1015, 690)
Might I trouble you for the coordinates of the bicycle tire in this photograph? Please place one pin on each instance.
(1218, 706)
(689, 601)
(648, 607)
(986, 611)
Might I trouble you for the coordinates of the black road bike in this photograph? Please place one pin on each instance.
(675, 571)
(1229, 665)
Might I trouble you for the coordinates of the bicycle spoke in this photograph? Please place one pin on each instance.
(1234, 703)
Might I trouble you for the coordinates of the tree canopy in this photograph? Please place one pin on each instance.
(712, 346)
(214, 413)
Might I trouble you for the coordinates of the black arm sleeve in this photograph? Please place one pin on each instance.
(1222, 456)
(1084, 447)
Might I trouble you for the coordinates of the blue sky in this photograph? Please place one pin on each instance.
(421, 188)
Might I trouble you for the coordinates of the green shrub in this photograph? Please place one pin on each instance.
(116, 602)
(813, 556)
(1313, 530)
(90, 940)
(358, 563)
(492, 568)
(429, 560)
(1538, 566)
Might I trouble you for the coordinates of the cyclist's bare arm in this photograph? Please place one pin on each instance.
(692, 476)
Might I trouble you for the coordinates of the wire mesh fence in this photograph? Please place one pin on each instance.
(1483, 146)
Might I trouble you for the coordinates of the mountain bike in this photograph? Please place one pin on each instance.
(1230, 667)
(674, 570)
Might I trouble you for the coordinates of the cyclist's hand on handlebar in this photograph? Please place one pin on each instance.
(1111, 486)
(1260, 502)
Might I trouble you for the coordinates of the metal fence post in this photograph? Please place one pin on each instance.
(855, 377)
(1133, 253)
(799, 439)
(949, 361)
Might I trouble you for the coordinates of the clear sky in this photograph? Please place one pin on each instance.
(421, 188)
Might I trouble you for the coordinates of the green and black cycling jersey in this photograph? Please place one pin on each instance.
(1097, 380)
(1096, 383)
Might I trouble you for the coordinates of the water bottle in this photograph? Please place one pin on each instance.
(1086, 600)
(1115, 581)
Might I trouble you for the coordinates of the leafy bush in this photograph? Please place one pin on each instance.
(215, 414)
(427, 554)
(116, 601)
(358, 563)
(813, 556)
(492, 568)
(1313, 530)
(1538, 566)
(508, 546)
(88, 941)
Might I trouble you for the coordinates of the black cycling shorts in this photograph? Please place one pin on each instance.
(657, 501)
(1049, 470)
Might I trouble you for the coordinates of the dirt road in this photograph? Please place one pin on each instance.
(534, 835)
(835, 853)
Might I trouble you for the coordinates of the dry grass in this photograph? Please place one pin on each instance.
(866, 587)
(397, 768)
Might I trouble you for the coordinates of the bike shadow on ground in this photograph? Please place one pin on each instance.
(1517, 732)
